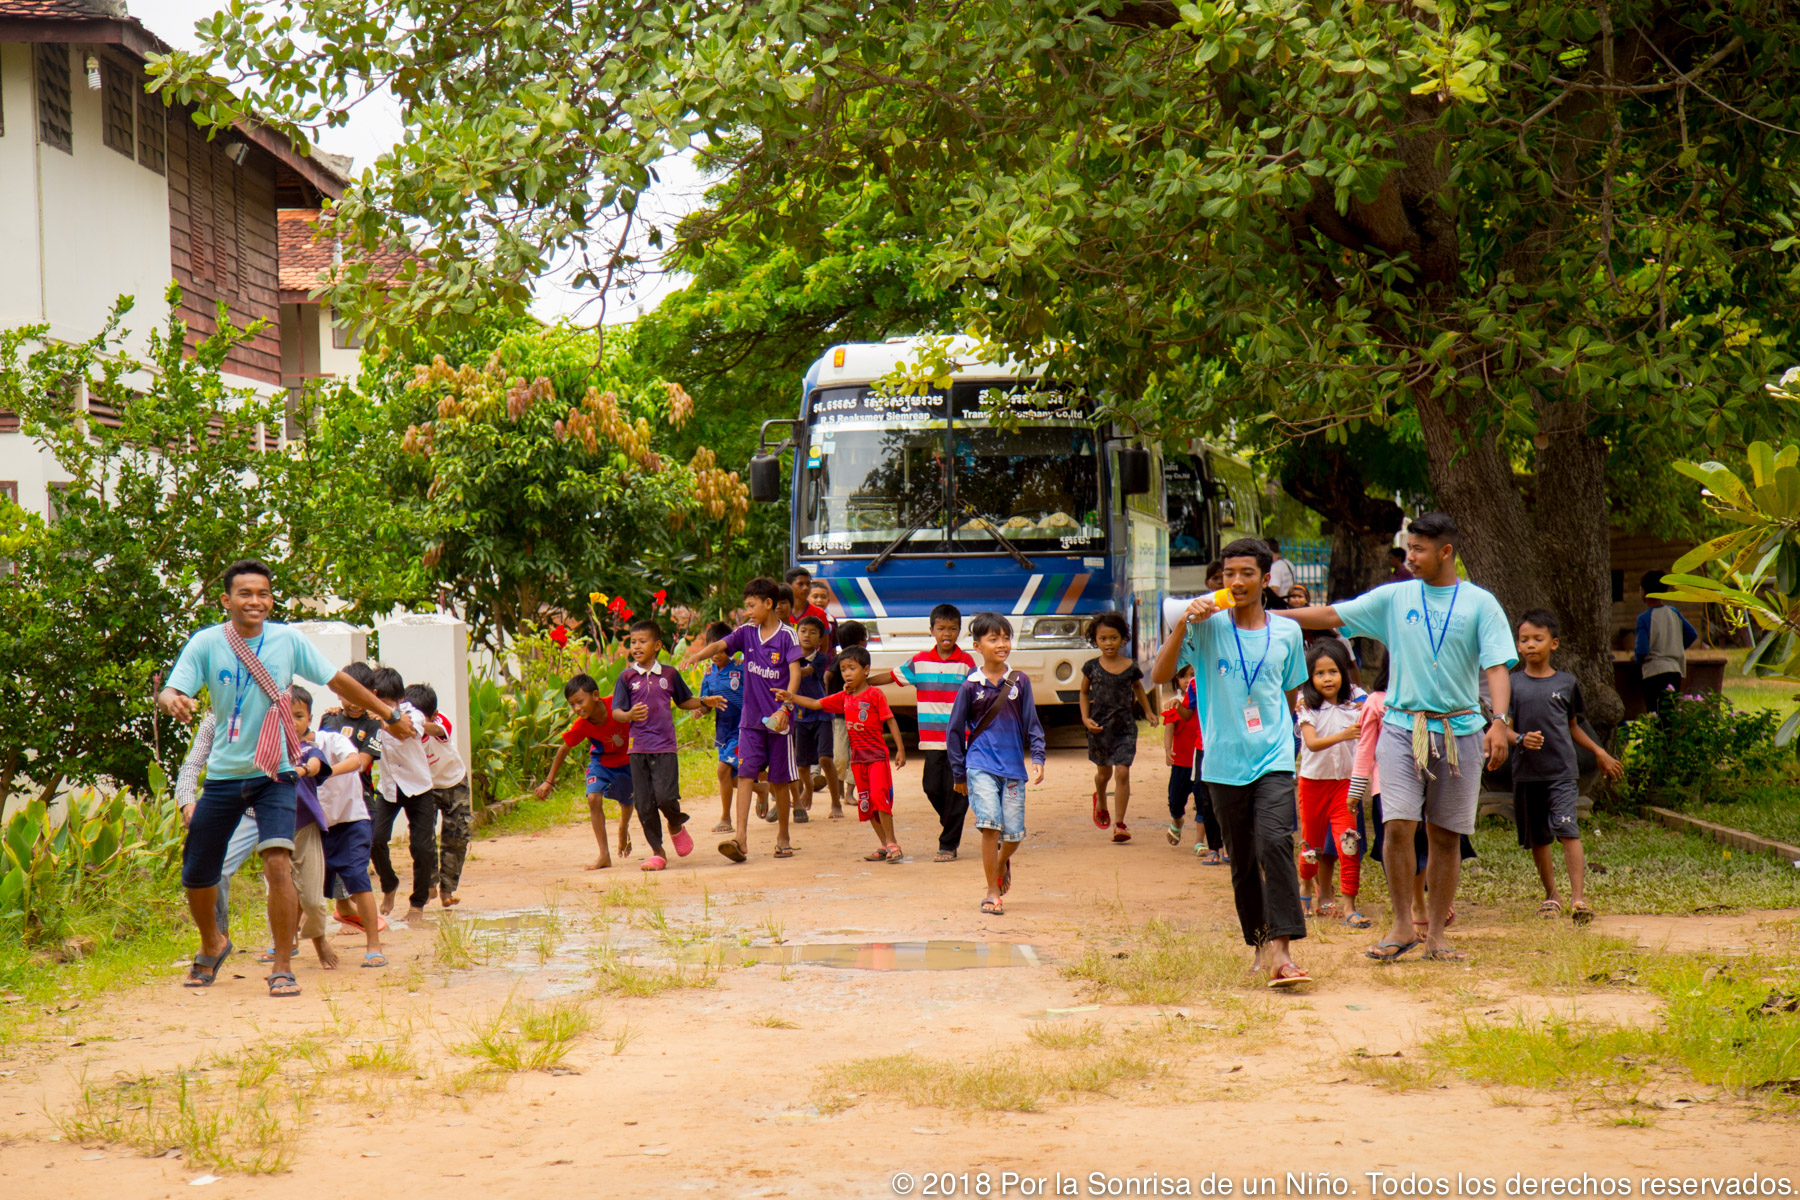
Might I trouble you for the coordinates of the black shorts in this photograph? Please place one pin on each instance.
(1544, 810)
(809, 737)
(656, 779)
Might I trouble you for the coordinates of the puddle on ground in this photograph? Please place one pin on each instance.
(890, 956)
(515, 920)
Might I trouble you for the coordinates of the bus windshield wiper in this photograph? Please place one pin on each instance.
(889, 550)
(994, 529)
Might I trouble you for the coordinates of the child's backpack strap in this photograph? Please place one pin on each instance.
(1007, 681)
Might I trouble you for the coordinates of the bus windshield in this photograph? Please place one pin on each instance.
(876, 466)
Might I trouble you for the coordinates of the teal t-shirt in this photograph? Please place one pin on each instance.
(1407, 617)
(1234, 753)
(207, 661)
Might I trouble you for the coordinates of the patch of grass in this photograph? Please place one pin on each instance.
(381, 1058)
(774, 1021)
(617, 976)
(1052, 1035)
(1647, 869)
(1393, 1073)
(567, 804)
(633, 896)
(456, 945)
(1005, 1081)
(1768, 811)
(774, 929)
(1162, 964)
(1547, 1054)
(527, 1037)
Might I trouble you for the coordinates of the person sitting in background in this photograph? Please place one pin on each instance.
(1663, 636)
(1397, 565)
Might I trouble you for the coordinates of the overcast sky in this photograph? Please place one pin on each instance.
(375, 126)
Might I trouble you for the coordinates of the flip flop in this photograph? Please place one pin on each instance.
(730, 849)
(993, 908)
(1102, 818)
(1355, 920)
(944, 856)
(784, 852)
(894, 854)
(209, 963)
(876, 855)
(1580, 913)
(280, 989)
(1446, 955)
(374, 958)
(1174, 835)
(1120, 833)
(762, 806)
(355, 921)
(724, 827)
(1288, 975)
(1550, 909)
(1398, 949)
(1208, 858)
(800, 816)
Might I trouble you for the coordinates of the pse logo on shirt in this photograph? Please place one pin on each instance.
(1224, 668)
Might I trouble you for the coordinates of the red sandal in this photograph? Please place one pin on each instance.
(1121, 834)
(1102, 818)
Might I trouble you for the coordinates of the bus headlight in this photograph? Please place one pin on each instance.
(1056, 628)
(1064, 670)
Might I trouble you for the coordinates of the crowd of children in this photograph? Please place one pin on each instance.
(1298, 747)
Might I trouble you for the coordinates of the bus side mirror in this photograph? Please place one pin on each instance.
(1134, 471)
(765, 478)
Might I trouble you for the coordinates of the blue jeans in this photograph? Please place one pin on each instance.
(237, 852)
(218, 813)
(998, 803)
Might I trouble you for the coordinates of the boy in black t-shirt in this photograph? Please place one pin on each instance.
(1545, 705)
(361, 728)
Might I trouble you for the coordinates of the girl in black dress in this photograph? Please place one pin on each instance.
(1112, 695)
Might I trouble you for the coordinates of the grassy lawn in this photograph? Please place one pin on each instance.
(1747, 692)
(1771, 811)
(1647, 869)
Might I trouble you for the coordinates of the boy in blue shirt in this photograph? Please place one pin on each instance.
(722, 690)
(1247, 668)
(993, 723)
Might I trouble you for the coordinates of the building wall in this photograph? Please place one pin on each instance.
(345, 363)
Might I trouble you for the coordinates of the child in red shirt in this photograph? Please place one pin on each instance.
(609, 762)
(864, 709)
(1182, 746)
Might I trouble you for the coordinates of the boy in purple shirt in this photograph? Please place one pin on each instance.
(771, 663)
(647, 693)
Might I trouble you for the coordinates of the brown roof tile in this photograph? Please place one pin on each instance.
(306, 259)
(64, 10)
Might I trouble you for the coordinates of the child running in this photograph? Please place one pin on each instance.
(865, 710)
(405, 787)
(722, 689)
(649, 692)
(1111, 696)
(1545, 705)
(936, 674)
(771, 656)
(845, 635)
(609, 762)
(1183, 746)
(309, 839)
(449, 792)
(810, 728)
(1329, 722)
(993, 726)
(333, 768)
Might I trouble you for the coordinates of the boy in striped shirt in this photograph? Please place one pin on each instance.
(936, 674)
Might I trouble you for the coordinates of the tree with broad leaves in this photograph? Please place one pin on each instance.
(1553, 232)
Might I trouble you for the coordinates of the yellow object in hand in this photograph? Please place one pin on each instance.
(1222, 599)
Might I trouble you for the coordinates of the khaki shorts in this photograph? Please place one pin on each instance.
(309, 881)
(840, 743)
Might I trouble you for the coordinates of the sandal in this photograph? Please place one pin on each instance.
(1102, 818)
(993, 908)
(1175, 833)
(894, 854)
(205, 968)
(374, 958)
(1120, 833)
(1355, 920)
(1550, 909)
(730, 849)
(1288, 975)
(784, 852)
(283, 983)
(1580, 913)
(1328, 909)
(1208, 858)
(724, 827)
(877, 855)
(944, 856)
(1397, 948)
(762, 806)
(1446, 955)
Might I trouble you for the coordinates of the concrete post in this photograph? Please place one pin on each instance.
(341, 644)
(433, 648)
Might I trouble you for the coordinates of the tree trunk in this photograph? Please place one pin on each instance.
(7, 770)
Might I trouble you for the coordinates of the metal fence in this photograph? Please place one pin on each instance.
(1312, 564)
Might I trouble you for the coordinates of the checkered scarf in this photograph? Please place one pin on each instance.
(278, 722)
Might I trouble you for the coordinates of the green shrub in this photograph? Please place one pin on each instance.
(105, 846)
(1699, 748)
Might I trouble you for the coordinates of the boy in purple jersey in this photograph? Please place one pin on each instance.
(771, 663)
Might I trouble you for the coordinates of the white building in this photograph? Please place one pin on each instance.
(105, 191)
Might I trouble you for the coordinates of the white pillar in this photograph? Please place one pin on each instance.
(341, 644)
(433, 648)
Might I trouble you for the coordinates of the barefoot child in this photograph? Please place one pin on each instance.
(649, 691)
(771, 661)
(993, 726)
(449, 792)
(609, 762)
(405, 787)
(722, 690)
(334, 766)
(1329, 724)
(1112, 694)
(865, 710)
(1545, 705)
(309, 827)
(1182, 746)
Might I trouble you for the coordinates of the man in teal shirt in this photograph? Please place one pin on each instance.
(1246, 668)
(1442, 635)
(235, 784)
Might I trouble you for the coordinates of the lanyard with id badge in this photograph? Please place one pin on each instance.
(1253, 721)
(234, 727)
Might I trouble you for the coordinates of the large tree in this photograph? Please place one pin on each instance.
(1549, 233)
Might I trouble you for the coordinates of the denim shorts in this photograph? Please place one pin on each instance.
(221, 806)
(612, 782)
(999, 803)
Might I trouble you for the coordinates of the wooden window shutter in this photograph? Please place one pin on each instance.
(117, 128)
(56, 122)
(224, 223)
(199, 197)
(152, 137)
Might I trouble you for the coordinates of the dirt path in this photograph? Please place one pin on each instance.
(710, 1093)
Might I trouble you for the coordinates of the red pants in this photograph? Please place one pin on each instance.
(1324, 816)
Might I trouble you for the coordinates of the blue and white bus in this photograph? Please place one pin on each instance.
(1025, 507)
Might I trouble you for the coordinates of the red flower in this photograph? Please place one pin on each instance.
(661, 597)
(617, 605)
(625, 614)
(559, 635)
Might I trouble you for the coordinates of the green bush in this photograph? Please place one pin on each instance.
(1699, 748)
(105, 847)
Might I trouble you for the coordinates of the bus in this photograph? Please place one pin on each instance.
(999, 493)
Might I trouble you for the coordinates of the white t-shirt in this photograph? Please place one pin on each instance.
(1334, 762)
(340, 796)
(403, 762)
(1281, 577)
(447, 768)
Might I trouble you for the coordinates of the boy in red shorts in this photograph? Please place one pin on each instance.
(864, 709)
